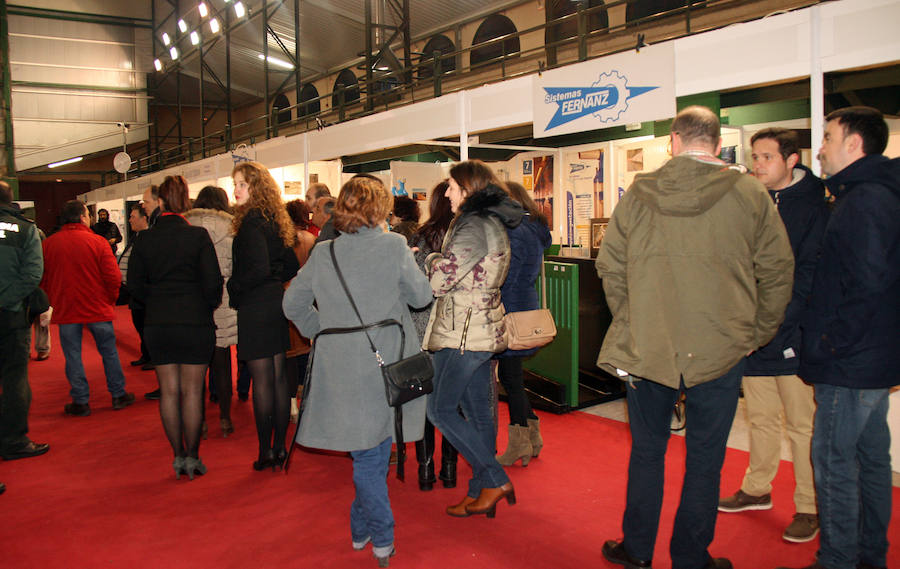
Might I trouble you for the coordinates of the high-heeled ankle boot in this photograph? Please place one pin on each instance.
(194, 466)
(518, 446)
(178, 465)
(459, 510)
(534, 434)
(488, 498)
(449, 456)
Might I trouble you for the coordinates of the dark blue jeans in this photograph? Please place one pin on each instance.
(105, 339)
(852, 465)
(464, 380)
(370, 513)
(710, 409)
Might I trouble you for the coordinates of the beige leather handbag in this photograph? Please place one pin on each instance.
(531, 328)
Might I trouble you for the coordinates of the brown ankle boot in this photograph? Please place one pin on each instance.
(534, 435)
(488, 498)
(518, 446)
(459, 510)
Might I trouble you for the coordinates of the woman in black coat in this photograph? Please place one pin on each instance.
(262, 260)
(174, 272)
(527, 242)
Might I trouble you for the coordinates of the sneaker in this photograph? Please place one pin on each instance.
(78, 409)
(614, 552)
(804, 528)
(123, 401)
(742, 501)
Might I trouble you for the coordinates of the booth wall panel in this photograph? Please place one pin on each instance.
(765, 51)
(859, 33)
(500, 105)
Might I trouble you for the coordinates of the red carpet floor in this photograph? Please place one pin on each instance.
(105, 496)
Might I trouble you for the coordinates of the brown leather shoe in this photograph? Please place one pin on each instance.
(459, 510)
(488, 498)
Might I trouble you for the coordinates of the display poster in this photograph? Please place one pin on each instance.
(584, 180)
(542, 166)
(415, 180)
(624, 88)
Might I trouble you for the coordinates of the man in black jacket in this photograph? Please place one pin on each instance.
(107, 229)
(851, 344)
(770, 378)
(21, 267)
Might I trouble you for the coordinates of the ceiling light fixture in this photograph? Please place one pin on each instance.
(64, 162)
(239, 9)
(182, 25)
(165, 38)
(157, 64)
(173, 53)
(195, 37)
(276, 61)
(203, 11)
(214, 25)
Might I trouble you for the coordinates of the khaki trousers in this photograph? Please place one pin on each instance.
(766, 396)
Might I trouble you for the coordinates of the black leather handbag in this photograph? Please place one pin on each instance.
(404, 380)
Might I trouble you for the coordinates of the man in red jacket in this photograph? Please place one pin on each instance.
(82, 279)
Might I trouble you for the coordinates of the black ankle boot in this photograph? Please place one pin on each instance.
(448, 464)
(424, 456)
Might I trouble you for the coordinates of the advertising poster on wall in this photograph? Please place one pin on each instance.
(584, 180)
(543, 182)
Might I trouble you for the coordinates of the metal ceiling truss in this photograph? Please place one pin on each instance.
(376, 39)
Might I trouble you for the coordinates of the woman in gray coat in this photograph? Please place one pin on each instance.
(346, 408)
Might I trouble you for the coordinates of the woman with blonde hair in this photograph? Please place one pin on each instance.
(345, 405)
(263, 259)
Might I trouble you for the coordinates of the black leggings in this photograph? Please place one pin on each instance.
(271, 402)
(220, 379)
(509, 371)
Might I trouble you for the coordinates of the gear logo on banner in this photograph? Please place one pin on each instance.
(606, 99)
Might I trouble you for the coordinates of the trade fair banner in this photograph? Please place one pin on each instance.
(610, 91)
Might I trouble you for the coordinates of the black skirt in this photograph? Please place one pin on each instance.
(262, 330)
(180, 344)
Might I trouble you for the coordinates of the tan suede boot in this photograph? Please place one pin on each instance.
(519, 446)
(534, 435)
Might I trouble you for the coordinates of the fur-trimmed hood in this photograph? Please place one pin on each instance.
(216, 222)
(494, 200)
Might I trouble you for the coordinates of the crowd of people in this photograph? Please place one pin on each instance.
(779, 283)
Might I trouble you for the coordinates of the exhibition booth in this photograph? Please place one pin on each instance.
(632, 93)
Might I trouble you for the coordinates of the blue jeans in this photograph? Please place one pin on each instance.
(105, 339)
(710, 409)
(370, 513)
(465, 380)
(852, 464)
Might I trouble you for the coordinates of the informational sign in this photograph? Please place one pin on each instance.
(610, 91)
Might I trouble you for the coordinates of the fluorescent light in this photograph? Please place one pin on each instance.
(64, 162)
(214, 25)
(203, 11)
(239, 9)
(157, 64)
(173, 52)
(276, 61)
(165, 38)
(195, 38)
(182, 25)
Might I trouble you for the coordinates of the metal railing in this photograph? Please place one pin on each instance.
(392, 89)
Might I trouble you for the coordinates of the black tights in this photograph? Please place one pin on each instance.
(271, 402)
(220, 373)
(509, 371)
(181, 405)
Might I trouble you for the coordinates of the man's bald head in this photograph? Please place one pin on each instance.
(696, 127)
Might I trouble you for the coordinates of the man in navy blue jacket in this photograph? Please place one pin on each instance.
(851, 341)
(770, 377)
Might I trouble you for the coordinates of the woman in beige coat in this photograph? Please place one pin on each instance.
(211, 211)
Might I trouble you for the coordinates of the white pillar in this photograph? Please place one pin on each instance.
(463, 127)
(816, 87)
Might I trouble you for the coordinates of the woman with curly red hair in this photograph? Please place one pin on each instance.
(263, 259)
